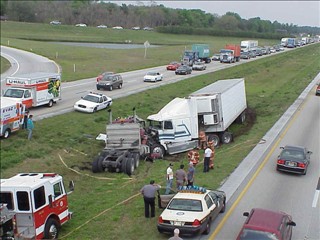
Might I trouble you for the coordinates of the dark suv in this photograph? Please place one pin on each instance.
(109, 82)
(265, 224)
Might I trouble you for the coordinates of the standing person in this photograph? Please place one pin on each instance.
(169, 178)
(190, 175)
(176, 235)
(149, 194)
(207, 155)
(25, 119)
(202, 140)
(181, 176)
(30, 126)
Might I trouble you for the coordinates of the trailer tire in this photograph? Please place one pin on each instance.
(123, 165)
(50, 104)
(226, 138)
(242, 118)
(215, 139)
(51, 229)
(97, 164)
(6, 133)
(130, 166)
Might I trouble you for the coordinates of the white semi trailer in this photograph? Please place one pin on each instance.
(211, 109)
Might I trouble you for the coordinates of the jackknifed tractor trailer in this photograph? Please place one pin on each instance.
(211, 109)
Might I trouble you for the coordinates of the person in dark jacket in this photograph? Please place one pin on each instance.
(149, 194)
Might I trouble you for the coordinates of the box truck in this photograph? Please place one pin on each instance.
(34, 89)
(12, 116)
(248, 45)
(211, 109)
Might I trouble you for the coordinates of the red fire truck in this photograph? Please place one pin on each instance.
(38, 203)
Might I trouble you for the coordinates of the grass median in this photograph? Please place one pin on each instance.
(108, 205)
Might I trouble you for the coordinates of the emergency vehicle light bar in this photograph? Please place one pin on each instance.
(192, 189)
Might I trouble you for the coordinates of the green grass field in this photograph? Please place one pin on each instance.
(108, 205)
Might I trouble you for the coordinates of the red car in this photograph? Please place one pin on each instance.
(266, 224)
(173, 66)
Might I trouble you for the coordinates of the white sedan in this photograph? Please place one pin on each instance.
(93, 102)
(153, 77)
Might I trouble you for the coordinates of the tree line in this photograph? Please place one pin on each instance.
(163, 19)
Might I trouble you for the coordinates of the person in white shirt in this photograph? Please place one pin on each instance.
(169, 178)
(207, 155)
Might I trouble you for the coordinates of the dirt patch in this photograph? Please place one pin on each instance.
(249, 122)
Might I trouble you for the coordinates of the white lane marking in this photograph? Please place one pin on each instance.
(15, 60)
(315, 198)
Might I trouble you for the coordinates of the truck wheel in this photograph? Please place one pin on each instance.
(51, 230)
(226, 137)
(136, 157)
(242, 118)
(50, 104)
(7, 133)
(158, 149)
(130, 166)
(215, 139)
(97, 164)
(123, 165)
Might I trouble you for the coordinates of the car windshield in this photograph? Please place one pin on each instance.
(292, 154)
(185, 205)
(107, 78)
(249, 234)
(152, 73)
(14, 93)
(91, 98)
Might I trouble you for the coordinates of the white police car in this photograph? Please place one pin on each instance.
(93, 102)
(192, 210)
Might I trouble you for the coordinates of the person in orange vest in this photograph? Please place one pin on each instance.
(211, 163)
(193, 156)
(202, 140)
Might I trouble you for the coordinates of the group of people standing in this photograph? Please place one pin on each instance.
(182, 177)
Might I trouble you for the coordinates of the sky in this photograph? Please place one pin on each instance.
(301, 13)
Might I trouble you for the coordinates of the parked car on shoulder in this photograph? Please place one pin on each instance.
(93, 102)
(183, 69)
(55, 22)
(199, 66)
(191, 210)
(152, 76)
(173, 66)
(148, 28)
(294, 159)
(117, 27)
(81, 25)
(266, 224)
(136, 28)
(109, 82)
(102, 26)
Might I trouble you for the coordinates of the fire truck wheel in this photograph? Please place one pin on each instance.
(97, 164)
(215, 139)
(130, 166)
(136, 157)
(51, 230)
(50, 104)
(226, 137)
(7, 133)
